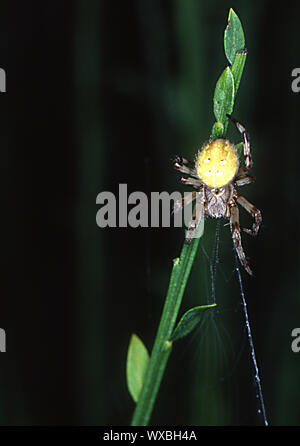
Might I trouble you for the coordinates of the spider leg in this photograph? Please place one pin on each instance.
(197, 216)
(192, 182)
(256, 214)
(185, 201)
(246, 145)
(236, 237)
(184, 166)
(243, 179)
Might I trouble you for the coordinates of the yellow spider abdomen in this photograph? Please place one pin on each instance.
(217, 163)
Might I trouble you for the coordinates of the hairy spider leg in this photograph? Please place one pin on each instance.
(256, 214)
(185, 201)
(191, 182)
(198, 214)
(243, 180)
(246, 146)
(236, 236)
(184, 166)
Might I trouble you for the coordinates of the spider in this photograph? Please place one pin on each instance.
(215, 176)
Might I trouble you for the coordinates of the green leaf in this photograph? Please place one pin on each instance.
(239, 148)
(223, 103)
(162, 345)
(189, 321)
(234, 39)
(224, 96)
(238, 67)
(136, 367)
(218, 130)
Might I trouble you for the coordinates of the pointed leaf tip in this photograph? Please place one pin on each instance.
(189, 321)
(234, 39)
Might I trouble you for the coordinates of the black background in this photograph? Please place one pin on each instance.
(103, 93)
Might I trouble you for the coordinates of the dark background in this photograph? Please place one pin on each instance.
(105, 92)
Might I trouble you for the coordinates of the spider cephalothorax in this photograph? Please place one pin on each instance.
(215, 176)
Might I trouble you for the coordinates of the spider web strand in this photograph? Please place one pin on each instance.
(252, 349)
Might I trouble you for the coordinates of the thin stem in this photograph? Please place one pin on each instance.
(252, 350)
(224, 97)
(162, 346)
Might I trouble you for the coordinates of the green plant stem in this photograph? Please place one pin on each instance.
(224, 97)
(162, 346)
